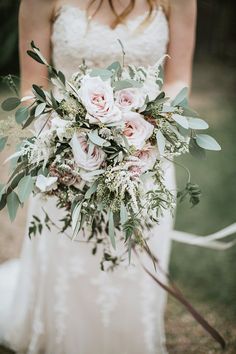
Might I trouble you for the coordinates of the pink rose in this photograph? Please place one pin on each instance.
(88, 160)
(130, 98)
(98, 99)
(148, 156)
(137, 130)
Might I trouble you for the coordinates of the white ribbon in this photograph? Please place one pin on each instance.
(209, 241)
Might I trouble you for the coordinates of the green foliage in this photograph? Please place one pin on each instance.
(191, 190)
(10, 103)
(35, 227)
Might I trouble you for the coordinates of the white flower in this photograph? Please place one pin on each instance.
(129, 98)
(137, 129)
(148, 156)
(98, 99)
(46, 184)
(61, 127)
(84, 158)
(151, 83)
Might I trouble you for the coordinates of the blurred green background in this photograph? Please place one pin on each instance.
(207, 276)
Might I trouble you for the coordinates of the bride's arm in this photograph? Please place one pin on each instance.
(182, 23)
(34, 24)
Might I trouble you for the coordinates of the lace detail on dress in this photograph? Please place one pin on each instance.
(73, 40)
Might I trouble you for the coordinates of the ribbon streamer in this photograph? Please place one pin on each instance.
(209, 241)
(175, 292)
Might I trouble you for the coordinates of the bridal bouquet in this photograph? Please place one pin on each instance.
(98, 145)
(98, 138)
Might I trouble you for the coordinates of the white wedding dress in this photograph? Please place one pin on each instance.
(55, 299)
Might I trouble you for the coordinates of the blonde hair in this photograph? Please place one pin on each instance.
(119, 18)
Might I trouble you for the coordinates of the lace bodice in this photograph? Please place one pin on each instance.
(73, 39)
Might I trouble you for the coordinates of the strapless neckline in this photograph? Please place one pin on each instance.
(129, 23)
(74, 40)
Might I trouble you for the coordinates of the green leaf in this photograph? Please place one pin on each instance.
(54, 101)
(115, 67)
(182, 95)
(1, 189)
(123, 84)
(57, 82)
(3, 141)
(25, 188)
(3, 201)
(207, 142)
(104, 74)
(39, 109)
(12, 205)
(161, 142)
(11, 103)
(111, 229)
(188, 112)
(123, 214)
(197, 123)
(39, 93)
(181, 120)
(35, 56)
(29, 121)
(62, 77)
(196, 150)
(91, 190)
(21, 115)
(96, 139)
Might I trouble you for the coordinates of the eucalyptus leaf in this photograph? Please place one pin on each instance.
(181, 120)
(21, 115)
(115, 67)
(40, 95)
(35, 56)
(25, 188)
(28, 121)
(196, 150)
(197, 123)
(39, 109)
(57, 82)
(181, 96)
(207, 142)
(123, 214)
(161, 142)
(111, 229)
(3, 200)
(91, 190)
(167, 109)
(54, 101)
(97, 140)
(11, 103)
(104, 74)
(178, 133)
(188, 112)
(12, 205)
(1, 189)
(62, 77)
(123, 84)
(3, 141)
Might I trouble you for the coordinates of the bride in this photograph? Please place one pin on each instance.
(56, 299)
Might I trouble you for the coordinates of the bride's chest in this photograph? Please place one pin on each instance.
(73, 39)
